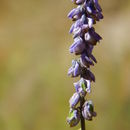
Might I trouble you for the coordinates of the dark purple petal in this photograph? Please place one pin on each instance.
(99, 16)
(92, 37)
(98, 7)
(87, 74)
(96, 36)
(85, 60)
(91, 75)
(90, 6)
(93, 58)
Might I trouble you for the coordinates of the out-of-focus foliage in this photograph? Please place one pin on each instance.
(34, 58)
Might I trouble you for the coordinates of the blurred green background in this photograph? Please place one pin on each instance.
(34, 60)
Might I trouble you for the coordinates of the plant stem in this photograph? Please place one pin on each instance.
(82, 100)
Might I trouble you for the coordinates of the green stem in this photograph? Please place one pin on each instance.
(82, 100)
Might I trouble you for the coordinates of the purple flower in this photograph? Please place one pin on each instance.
(86, 60)
(82, 87)
(89, 6)
(75, 13)
(93, 8)
(78, 46)
(92, 37)
(74, 100)
(81, 25)
(88, 110)
(74, 117)
(75, 70)
(87, 74)
(77, 32)
(88, 52)
(98, 7)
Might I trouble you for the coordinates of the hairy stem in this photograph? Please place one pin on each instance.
(82, 100)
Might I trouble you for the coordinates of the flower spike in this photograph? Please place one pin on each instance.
(85, 16)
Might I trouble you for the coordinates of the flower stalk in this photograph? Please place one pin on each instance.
(82, 101)
(85, 16)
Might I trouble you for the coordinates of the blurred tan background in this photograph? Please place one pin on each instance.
(34, 60)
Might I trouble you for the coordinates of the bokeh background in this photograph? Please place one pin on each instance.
(34, 60)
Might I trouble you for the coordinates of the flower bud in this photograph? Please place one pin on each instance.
(92, 37)
(98, 7)
(78, 46)
(82, 87)
(85, 60)
(88, 75)
(76, 13)
(74, 100)
(88, 110)
(93, 8)
(73, 118)
(71, 28)
(75, 70)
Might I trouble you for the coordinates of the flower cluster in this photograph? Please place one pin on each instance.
(87, 13)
